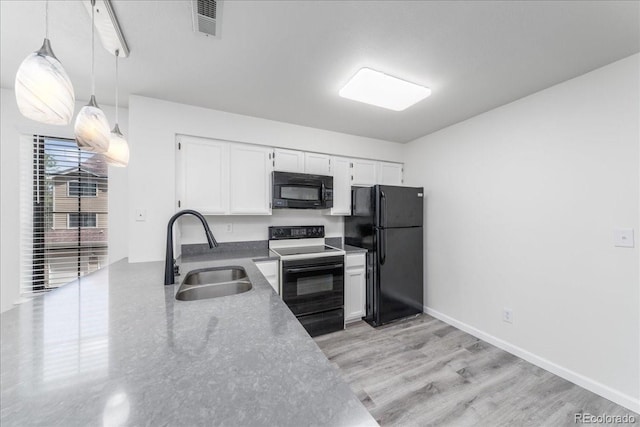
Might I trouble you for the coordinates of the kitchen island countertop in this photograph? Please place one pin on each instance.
(116, 348)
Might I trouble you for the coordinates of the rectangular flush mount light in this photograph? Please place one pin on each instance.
(376, 88)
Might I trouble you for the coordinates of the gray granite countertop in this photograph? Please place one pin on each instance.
(116, 348)
(353, 249)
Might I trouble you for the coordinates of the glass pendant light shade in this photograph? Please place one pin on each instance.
(43, 89)
(92, 128)
(118, 154)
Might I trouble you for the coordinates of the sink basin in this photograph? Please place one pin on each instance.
(213, 283)
(207, 276)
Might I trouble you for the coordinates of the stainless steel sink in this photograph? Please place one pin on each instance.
(213, 283)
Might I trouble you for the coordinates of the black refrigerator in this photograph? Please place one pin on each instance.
(387, 220)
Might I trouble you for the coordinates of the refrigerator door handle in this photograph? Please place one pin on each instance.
(383, 209)
(383, 245)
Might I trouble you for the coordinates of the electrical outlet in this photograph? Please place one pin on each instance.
(229, 227)
(507, 315)
(623, 237)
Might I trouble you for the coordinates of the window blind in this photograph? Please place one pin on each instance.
(64, 213)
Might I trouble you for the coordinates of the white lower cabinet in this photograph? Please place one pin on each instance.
(355, 282)
(271, 271)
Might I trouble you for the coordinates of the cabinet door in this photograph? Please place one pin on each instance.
(288, 160)
(389, 173)
(341, 186)
(202, 175)
(355, 284)
(250, 179)
(317, 164)
(364, 172)
(354, 294)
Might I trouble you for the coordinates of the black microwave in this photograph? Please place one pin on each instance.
(302, 191)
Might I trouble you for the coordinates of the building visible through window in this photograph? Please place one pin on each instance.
(82, 220)
(82, 189)
(69, 222)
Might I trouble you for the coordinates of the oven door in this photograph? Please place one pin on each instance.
(313, 285)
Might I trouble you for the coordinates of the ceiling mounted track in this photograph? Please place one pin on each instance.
(108, 27)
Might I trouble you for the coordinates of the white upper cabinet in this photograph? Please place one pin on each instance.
(389, 173)
(341, 186)
(249, 178)
(202, 175)
(217, 177)
(288, 160)
(317, 164)
(364, 172)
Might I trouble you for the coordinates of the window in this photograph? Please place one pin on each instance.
(64, 213)
(82, 189)
(81, 220)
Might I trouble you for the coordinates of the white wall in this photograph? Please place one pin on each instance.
(12, 125)
(248, 228)
(154, 125)
(521, 203)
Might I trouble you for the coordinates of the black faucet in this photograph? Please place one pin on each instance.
(170, 269)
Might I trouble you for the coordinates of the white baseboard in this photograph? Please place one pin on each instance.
(607, 392)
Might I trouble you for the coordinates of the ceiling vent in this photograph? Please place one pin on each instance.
(206, 16)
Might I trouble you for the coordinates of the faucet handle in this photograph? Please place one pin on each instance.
(176, 268)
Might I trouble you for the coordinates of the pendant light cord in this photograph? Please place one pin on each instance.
(46, 19)
(93, 48)
(117, 84)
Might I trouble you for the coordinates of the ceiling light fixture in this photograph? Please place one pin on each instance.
(118, 153)
(44, 92)
(376, 88)
(108, 27)
(91, 127)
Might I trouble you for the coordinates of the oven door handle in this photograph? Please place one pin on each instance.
(316, 268)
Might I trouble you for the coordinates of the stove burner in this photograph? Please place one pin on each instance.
(300, 250)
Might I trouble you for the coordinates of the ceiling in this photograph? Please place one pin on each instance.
(286, 60)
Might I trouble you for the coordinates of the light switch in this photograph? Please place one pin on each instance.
(141, 215)
(623, 237)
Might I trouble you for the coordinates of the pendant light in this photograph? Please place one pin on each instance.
(92, 128)
(44, 92)
(118, 154)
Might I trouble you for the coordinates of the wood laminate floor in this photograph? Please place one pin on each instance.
(424, 372)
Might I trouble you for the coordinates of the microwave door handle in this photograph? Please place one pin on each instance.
(323, 191)
(318, 268)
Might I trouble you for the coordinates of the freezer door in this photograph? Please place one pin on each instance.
(399, 206)
(399, 273)
(358, 228)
